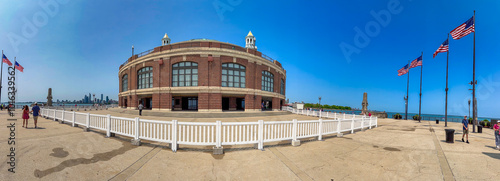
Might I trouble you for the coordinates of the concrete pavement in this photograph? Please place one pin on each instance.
(396, 150)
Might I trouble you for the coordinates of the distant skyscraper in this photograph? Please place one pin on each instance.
(90, 98)
(102, 98)
(107, 99)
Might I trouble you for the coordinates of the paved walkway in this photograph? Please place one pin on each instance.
(396, 150)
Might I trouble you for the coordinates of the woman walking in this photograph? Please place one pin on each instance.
(497, 134)
(26, 116)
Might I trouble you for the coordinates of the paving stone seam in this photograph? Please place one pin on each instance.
(127, 173)
(290, 165)
(443, 162)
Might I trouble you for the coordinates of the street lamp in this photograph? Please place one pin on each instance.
(469, 108)
(319, 101)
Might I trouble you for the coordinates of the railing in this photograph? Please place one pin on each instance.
(195, 43)
(216, 133)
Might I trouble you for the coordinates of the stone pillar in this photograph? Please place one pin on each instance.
(364, 104)
(156, 101)
(134, 102)
(49, 97)
(249, 103)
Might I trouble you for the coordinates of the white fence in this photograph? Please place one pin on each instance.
(216, 133)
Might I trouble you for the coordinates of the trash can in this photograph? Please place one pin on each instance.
(437, 121)
(449, 135)
(479, 129)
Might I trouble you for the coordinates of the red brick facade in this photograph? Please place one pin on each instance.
(209, 93)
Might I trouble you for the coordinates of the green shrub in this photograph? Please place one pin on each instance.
(470, 120)
(485, 123)
(416, 117)
(397, 116)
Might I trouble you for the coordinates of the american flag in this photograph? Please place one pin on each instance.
(463, 30)
(417, 62)
(18, 67)
(403, 70)
(6, 60)
(443, 48)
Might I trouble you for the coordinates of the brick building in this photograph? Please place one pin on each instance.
(202, 75)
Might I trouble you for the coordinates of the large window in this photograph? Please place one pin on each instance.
(145, 78)
(282, 87)
(125, 83)
(233, 75)
(267, 81)
(184, 74)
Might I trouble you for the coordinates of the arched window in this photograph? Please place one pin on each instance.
(185, 74)
(125, 83)
(267, 81)
(233, 75)
(282, 87)
(145, 78)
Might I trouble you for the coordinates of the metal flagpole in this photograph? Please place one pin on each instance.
(1, 73)
(474, 112)
(407, 87)
(420, 101)
(446, 90)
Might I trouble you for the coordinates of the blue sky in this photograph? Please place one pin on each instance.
(77, 47)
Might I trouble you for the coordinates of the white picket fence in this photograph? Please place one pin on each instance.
(214, 133)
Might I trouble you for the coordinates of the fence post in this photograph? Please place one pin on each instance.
(352, 125)
(136, 141)
(327, 114)
(338, 128)
(370, 123)
(320, 113)
(54, 115)
(376, 121)
(62, 117)
(260, 143)
(363, 123)
(307, 113)
(73, 119)
(344, 115)
(295, 142)
(87, 123)
(108, 126)
(320, 130)
(173, 145)
(218, 150)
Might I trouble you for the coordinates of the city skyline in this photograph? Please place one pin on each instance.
(327, 51)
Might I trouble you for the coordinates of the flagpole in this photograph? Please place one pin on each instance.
(1, 73)
(446, 90)
(474, 113)
(407, 88)
(420, 101)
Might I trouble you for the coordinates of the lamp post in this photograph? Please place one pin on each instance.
(132, 50)
(469, 108)
(319, 101)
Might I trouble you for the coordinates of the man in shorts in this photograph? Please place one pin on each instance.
(36, 112)
(465, 127)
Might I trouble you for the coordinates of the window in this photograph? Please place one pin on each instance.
(233, 75)
(185, 74)
(145, 78)
(267, 81)
(125, 83)
(282, 87)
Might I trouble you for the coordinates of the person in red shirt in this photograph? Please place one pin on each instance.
(26, 116)
(497, 134)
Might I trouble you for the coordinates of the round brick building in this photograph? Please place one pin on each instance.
(202, 75)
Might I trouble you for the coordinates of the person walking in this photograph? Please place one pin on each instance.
(140, 109)
(36, 112)
(26, 115)
(497, 134)
(465, 127)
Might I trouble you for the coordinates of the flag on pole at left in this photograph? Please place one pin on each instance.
(417, 62)
(403, 70)
(6, 60)
(18, 67)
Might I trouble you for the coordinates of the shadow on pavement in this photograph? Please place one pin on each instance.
(493, 155)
